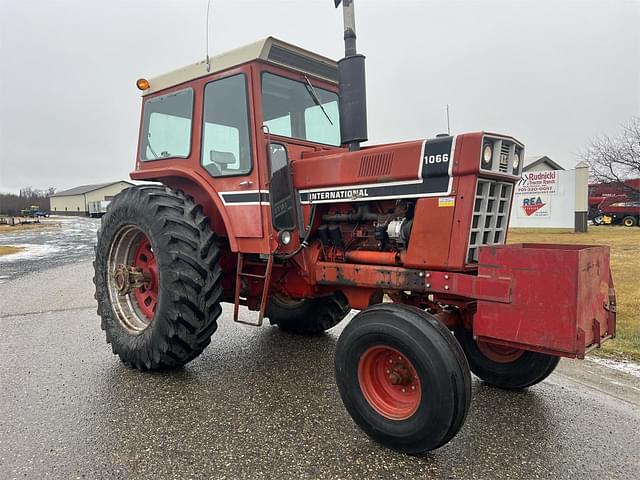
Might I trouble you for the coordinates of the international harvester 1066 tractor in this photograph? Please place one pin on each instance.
(269, 201)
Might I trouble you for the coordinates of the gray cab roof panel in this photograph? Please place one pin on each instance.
(270, 50)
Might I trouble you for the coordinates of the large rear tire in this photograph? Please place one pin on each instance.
(403, 378)
(157, 278)
(309, 316)
(505, 367)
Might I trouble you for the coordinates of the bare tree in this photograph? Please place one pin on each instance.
(11, 204)
(617, 158)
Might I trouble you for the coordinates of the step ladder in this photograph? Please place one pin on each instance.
(266, 277)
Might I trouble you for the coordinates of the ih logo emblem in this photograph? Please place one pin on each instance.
(532, 205)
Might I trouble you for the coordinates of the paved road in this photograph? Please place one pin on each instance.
(262, 404)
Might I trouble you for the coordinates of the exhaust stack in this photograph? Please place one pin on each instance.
(351, 78)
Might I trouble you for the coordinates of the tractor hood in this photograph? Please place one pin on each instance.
(421, 168)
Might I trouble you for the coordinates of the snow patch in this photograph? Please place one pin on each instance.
(622, 366)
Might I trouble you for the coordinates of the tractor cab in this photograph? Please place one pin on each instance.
(206, 127)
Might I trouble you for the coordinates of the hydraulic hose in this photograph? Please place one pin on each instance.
(304, 243)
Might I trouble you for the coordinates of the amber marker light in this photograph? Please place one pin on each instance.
(142, 84)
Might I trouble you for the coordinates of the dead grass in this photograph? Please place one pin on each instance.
(8, 249)
(625, 265)
(26, 226)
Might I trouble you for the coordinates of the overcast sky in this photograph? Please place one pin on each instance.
(553, 73)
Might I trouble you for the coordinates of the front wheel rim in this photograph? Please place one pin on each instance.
(133, 279)
(389, 382)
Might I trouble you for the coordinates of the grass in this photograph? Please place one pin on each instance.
(625, 265)
(8, 249)
(25, 226)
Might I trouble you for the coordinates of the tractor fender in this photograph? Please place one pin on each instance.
(195, 185)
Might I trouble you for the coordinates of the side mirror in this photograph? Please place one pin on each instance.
(281, 192)
(278, 157)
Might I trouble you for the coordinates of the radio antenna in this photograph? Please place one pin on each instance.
(207, 38)
(448, 122)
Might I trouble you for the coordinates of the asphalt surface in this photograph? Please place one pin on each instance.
(263, 404)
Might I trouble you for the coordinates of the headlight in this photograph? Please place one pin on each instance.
(516, 161)
(285, 238)
(487, 156)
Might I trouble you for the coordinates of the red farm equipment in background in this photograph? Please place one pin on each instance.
(615, 203)
(269, 200)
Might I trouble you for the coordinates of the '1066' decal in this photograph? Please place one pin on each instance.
(430, 159)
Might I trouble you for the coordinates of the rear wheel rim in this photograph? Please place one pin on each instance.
(499, 353)
(134, 308)
(389, 382)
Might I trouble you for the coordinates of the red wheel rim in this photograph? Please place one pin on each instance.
(147, 295)
(389, 382)
(499, 353)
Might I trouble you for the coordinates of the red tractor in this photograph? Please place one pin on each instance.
(268, 200)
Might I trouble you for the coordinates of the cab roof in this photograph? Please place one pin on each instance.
(269, 50)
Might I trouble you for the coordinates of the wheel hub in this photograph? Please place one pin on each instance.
(133, 279)
(389, 382)
(129, 278)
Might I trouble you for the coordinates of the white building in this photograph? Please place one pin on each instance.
(540, 163)
(75, 201)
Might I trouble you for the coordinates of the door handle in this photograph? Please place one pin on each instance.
(246, 183)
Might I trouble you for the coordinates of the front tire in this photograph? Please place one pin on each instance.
(505, 367)
(403, 378)
(157, 278)
(309, 316)
(629, 221)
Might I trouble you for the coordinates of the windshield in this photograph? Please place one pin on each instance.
(291, 109)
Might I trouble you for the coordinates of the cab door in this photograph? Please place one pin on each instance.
(229, 156)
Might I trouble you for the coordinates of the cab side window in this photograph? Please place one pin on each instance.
(226, 144)
(166, 126)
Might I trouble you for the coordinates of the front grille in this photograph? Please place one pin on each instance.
(505, 156)
(490, 215)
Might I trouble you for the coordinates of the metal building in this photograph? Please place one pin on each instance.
(75, 201)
